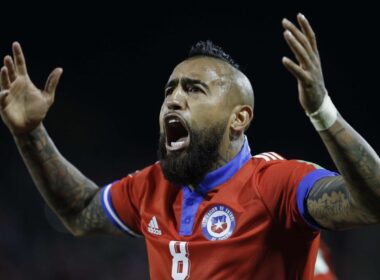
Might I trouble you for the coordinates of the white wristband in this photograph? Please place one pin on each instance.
(325, 116)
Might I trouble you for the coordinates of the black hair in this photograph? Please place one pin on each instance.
(208, 48)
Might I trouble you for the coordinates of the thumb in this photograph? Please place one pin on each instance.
(51, 83)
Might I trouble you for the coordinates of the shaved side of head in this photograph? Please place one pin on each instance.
(234, 80)
(242, 88)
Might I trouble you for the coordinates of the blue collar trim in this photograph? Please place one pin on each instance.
(224, 173)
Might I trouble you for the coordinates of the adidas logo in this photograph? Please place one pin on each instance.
(153, 227)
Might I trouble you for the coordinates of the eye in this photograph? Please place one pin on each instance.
(194, 89)
(168, 91)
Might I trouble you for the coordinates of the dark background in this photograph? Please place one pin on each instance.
(116, 60)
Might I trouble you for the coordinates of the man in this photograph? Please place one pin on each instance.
(208, 209)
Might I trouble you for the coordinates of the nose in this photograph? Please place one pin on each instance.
(177, 100)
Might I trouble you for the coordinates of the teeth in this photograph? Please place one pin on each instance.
(173, 120)
(177, 144)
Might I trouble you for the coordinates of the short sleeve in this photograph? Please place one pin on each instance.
(120, 203)
(284, 187)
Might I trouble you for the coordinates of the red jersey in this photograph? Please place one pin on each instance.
(245, 220)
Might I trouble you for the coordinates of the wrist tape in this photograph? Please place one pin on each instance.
(325, 116)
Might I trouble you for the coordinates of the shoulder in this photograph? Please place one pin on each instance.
(275, 165)
(147, 177)
(269, 156)
(264, 161)
(139, 183)
(152, 171)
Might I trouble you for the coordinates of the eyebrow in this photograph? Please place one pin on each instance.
(174, 82)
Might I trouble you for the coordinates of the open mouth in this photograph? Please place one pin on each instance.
(177, 133)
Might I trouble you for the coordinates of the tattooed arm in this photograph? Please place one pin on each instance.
(354, 198)
(69, 193)
(351, 199)
(75, 198)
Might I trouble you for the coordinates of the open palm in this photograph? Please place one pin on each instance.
(22, 105)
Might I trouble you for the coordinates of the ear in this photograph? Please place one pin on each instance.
(241, 117)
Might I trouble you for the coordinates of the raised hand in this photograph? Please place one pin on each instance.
(22, 105)
(308, 71)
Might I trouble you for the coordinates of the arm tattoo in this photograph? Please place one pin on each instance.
(359, 188)
(331, 205)
(67, 191)
(92, 219)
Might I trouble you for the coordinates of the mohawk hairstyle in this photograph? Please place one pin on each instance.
(208, 48)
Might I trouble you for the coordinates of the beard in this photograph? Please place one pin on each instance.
(190, 166)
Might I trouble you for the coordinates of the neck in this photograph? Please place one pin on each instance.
(229, 150)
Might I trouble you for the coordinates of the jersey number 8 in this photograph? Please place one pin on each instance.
(180, 261)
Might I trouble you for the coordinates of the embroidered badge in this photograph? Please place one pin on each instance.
(218, 223)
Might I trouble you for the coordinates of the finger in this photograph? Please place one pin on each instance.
(5, 83)
(301, 37)
(294, 69)
(8, 62)
(19, 59)
(297, 49)
(308, 31)
(52, 82)
(3, 93)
